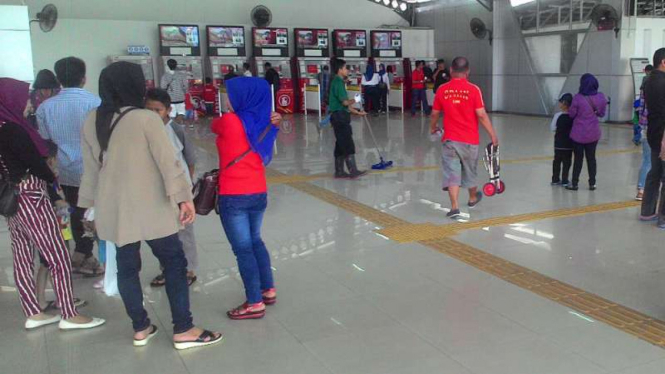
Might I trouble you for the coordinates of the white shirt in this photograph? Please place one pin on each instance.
(373, 82)
(179, 147)
(554, 121)
(247, 73)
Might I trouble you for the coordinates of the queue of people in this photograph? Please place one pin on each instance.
(122, 156)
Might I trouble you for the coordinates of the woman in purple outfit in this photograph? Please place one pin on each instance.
(588, 105)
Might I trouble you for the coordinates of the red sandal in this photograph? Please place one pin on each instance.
(269, 300)
(248, 311)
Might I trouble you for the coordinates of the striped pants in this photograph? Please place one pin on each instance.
(36, 226)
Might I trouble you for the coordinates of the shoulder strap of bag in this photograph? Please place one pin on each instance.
(593, 106)
(113, 125)
(239, 158)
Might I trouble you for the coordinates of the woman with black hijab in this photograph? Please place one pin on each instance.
(140, 193)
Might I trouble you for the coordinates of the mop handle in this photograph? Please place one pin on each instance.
(371, 132)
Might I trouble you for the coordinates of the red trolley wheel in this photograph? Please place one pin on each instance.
(502, 187)
(489, 189)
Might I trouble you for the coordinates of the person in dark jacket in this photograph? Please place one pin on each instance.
(563, 145)
(441, 74)
(654, 91)
(272, 76)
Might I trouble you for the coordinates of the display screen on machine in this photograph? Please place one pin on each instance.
(226, 37)
(271, 38)
(179, 36)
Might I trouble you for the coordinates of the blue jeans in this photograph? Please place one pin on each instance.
(169, 252)
(419, 95)
(646, 163)
(242, 216)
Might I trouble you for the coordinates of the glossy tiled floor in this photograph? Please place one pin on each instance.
(352, 301)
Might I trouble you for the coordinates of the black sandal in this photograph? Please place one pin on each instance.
(191, 280)
(200, 342)
(158, 281)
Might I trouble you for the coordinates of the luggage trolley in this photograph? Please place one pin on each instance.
(493, 166)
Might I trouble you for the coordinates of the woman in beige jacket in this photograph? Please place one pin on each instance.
(140, 193)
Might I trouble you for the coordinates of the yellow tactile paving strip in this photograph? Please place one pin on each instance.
(429, 231)
(286, 179)
(625, 319)
(598, 308)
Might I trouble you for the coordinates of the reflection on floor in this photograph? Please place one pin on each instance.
(354, 301)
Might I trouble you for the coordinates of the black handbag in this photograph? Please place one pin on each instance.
(8, 198)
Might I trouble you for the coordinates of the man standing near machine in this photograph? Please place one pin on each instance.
(462, 105)
(272, 76)
(441, 74)
(418, 93)
(60, 120)
(176, 84)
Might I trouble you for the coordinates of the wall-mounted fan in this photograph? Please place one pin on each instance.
(261, 16)
(47, 18)
(479, 30)
(605, 18)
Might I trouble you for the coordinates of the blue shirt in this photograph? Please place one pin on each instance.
(60, 120)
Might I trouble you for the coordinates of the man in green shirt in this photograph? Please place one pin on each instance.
(341, 107)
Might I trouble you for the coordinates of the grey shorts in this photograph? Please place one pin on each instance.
(460, 164)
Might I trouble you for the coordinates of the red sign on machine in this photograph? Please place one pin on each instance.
(285, 99)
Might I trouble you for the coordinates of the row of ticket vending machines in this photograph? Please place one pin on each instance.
(300, 89)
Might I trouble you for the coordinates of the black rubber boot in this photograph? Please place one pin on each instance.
(339, 169)
(353, 169)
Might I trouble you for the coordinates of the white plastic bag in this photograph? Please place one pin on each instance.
(111, 274)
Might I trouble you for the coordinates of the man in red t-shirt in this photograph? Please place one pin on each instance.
(418, 92)
(210, 96)
(462, 105)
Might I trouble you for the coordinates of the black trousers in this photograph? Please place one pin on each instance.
(563, 159)
(652, 187)
(341, 123)
(83, 245)
(372, 96)
(587, 151)
(383, 99)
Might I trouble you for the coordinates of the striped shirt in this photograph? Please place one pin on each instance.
(176, 85)
(60, 120)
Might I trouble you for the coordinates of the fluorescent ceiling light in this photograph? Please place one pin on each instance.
(520, 2)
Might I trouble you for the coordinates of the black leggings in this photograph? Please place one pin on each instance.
(341, 123)
(563, 158)
(581, 151)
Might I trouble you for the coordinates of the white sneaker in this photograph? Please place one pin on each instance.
(33, 324)
(96, 322)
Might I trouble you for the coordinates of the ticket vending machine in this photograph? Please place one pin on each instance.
(271, 44)
(226, 50)
(183, 44)
(145, 62)
(387, 50)
(429, 86)
(351, 45)
(312, 54)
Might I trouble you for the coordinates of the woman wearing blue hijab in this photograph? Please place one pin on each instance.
(370, 84)
(588, 106)
(245, 140)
